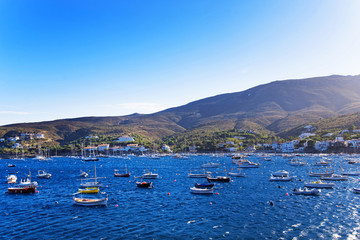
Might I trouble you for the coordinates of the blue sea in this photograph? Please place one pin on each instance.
(240, 209)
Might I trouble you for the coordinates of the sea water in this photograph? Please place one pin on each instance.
(248, 207)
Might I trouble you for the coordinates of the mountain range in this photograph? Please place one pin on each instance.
(275, 108)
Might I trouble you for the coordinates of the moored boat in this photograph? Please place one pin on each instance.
(143, 184)
(306, 191)
(22, 189)
(196, 190)
(356, 190)
(197, 174)
(126, 174)
(204, 185)
(237, 174)
(280, 173)
(319, 184)
(335, 177)
(11, 178)
(89, 190)
(43, 174)
(87, 201)
(218, 179)
(210, 165)
(281, 179)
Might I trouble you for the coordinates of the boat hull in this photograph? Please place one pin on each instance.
(195, 190)
(218, 179)
(22, 190)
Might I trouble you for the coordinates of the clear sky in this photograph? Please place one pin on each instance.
(64, 59)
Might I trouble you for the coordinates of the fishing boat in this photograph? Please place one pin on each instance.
(11, 178)
(89, 201)
(210, 165)
(306, 191)
(196, 190)
(126, 174)
(197, 174)
(204, 185)
(281, 179)
(143, 184)
(319, 184)
(280, 173)
(89, 190)
(335, 177)
(43, 174)
(237, 174)
(22, 189)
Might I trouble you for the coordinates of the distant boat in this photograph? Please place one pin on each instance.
(117, 174)
(281, 179)
(204, 185)
(335, 177)
(83, 174)
(43, 174)
(297, 162)
(218, 179)
(143, 184)
(197, 174)
(319, 184)
(307, 191)
(211, 165)
(11, 165)
(237, 174)
(281, 173)
(11, 178)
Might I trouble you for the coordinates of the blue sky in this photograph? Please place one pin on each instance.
(64, 59)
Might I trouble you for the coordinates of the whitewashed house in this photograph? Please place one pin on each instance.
(103, 147)
(125, 138)
(306, 135)
(322, 146)
(166, 148)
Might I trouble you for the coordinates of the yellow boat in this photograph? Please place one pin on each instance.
(89, 190)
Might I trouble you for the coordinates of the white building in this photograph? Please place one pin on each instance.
(125, 138)
(40, 135)
(353, 143)
(166, 148)
(103, 147)
(305, 135)
(13, 139)
(339, 139)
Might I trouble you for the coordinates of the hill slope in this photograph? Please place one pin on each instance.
(272, 107)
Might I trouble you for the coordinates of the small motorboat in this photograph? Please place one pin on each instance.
(204, 185)
(280, 173)
(306, 191)
(319, 184)
(11, 178)
(248, 164)
(218, 179)
(80, 200)
(11, 165)
(89, 190)
(196, 190)
(322, 163)
(43, 174)
(281, 179)
(144, 184)
(83, 174)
